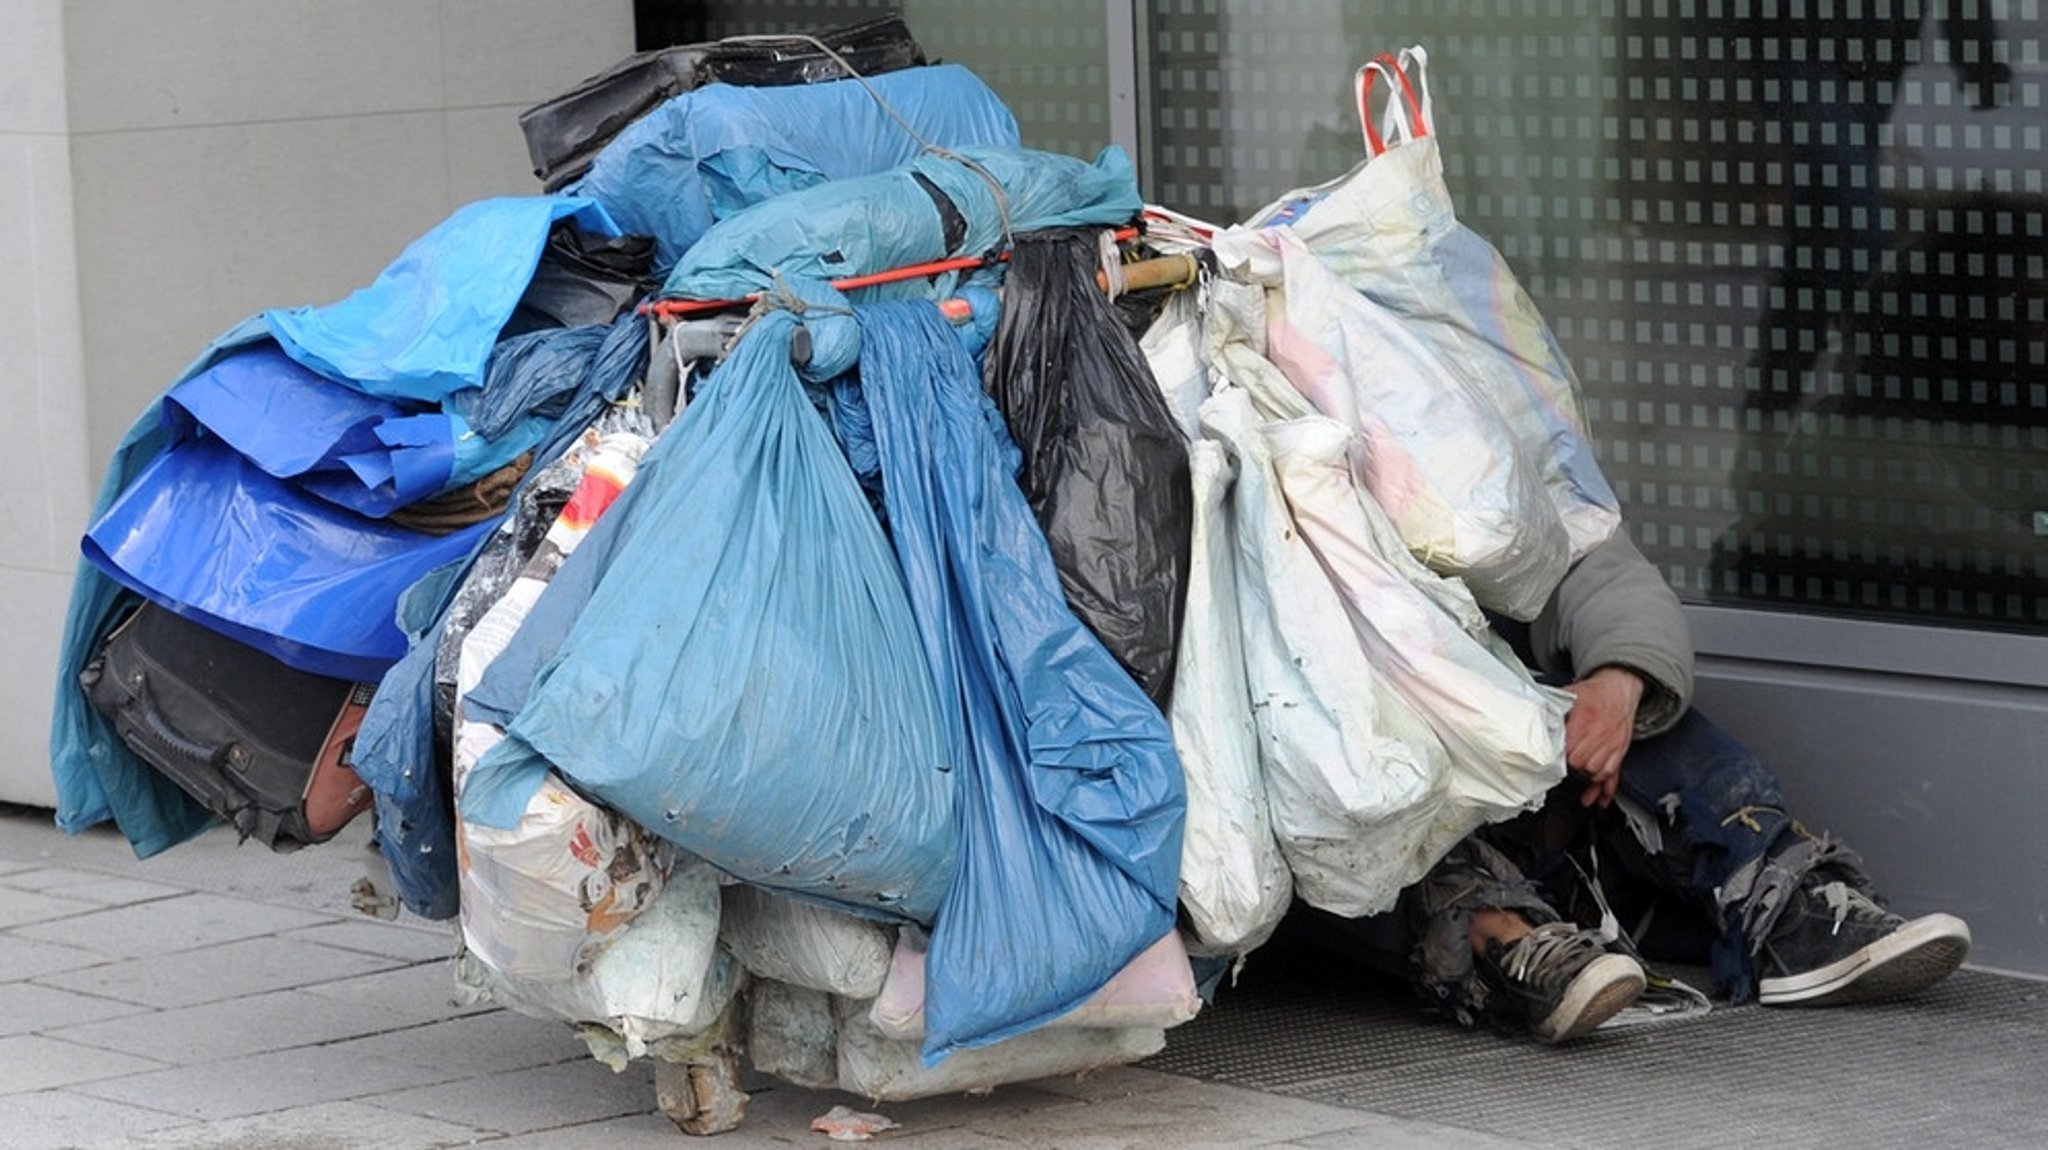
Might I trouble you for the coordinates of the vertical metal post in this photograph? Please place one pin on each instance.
(1122, 51)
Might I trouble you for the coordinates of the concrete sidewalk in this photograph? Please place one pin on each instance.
(226, 997)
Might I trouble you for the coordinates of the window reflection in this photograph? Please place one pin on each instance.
(1798, 260)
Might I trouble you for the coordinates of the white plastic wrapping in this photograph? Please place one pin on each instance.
(664, 975)
(1154, 990)
(1234, 882)
(1503, 731)
(803, 944)
(1354, 776)
(793, 1034)
(890, 1069)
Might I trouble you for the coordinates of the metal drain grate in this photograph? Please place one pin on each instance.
(1963, 1064)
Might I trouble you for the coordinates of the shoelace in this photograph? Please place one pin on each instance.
(1536, 950)
(1842, 899)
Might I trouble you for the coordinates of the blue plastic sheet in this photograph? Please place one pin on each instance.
(395, 753)
(935, 208)
(729, 659)
(211, 536)
(1072, 799)
(425, 327)
(706, 154)
(97, 777)
(368, 454)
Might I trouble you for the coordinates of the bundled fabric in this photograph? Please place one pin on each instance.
(706, 154)
(737, 612)
(425, 327)
(1071, 798)
(963, 202)
(1105, 468)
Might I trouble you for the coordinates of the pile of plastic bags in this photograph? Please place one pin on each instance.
(952, 662)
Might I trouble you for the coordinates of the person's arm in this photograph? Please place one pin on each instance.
(1616, 630)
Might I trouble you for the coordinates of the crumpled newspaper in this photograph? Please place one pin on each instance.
(843, 1124)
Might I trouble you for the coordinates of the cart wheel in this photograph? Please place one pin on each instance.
(701, 1096)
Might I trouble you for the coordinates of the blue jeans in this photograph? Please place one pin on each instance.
(1695, 858)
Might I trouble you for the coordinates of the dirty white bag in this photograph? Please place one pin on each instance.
(663, 977)
(1387, 228)
(1354, 776)
(804, 944)
(793, 1033)
(886, 1069)
(1431, 446)
(1503, 731)
(1154, 990)
(1234, 883)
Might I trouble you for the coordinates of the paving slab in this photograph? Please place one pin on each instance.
(31, 1062)
(169, 925)
(21, 907)
(26, 1008)
(408, 942)
(217, 1031)
(23, 958)
(566, 1094)
(327, 1126)
(211, 973)
(261, 1083)
(476, 1044)
(423, 992)
(111, 890)
(60, 1120)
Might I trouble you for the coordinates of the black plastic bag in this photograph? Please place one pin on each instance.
(1105, 468)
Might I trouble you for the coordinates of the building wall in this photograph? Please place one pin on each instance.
(169, 169)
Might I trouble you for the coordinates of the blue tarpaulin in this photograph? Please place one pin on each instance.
(426, 326)
(708, 153)
(1072, 800)
(207, 534)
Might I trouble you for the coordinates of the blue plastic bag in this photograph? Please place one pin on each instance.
(932, 209)
(706, 154)
(426, 326)
(728, 659)
(1072, 799)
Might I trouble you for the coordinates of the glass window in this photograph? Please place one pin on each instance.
(1795, 248)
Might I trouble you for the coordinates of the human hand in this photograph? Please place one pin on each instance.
(1599, 728)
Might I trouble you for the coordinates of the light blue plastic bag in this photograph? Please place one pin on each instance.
(729, 660)
(1072, 799)
(708, 153)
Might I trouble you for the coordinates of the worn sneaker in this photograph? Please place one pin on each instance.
(1836, 945)
(1566, 979)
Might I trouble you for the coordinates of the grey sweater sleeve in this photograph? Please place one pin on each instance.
(1613, 608)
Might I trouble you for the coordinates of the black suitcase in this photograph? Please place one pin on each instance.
(565, 133)
(261, 745)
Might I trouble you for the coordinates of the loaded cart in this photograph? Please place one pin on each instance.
(824, 587)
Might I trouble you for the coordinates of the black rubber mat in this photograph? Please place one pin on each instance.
(1963, 1064)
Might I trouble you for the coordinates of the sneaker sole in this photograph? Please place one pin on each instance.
(1601, 991)
(1912, 958)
